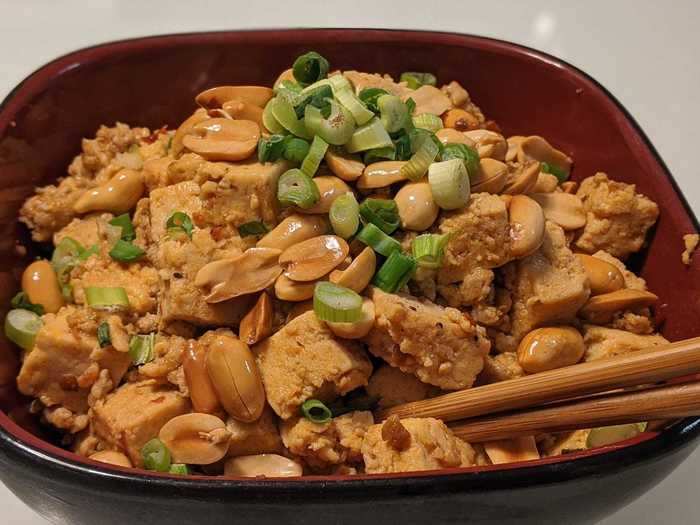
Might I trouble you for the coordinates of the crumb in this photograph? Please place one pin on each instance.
(691, 242)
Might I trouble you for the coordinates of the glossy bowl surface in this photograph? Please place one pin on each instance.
(152, 81)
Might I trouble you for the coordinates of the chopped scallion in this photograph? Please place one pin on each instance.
(179, 469)
(141, 348)
(336, 128)
(394, 113)
(428, 121)
(156, 456)
(402, 146)
(124, 251)
(179, 223)
(106, 298)
(370, 136)
(449, 184)
(252, 228)
(310, 67)
(21, 327)
(425, 155)
(342, 89)
(345, 215)
(269, 120)
(379, 155)
(67, 255)
(316, 412)
(295, 188)
(414, 79)
(411, 105)
(429, 248)
(395, 272)
(21, 300)
(370, 96)
(336, 304)
(270, 149)
(284, 113)
(296, 149)
(124, 222)
(559, 173)
(379, 241)
(383, 213)
(314, 157)
(104, 337)
(469, 156)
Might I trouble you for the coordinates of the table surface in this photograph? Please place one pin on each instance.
(644, 52)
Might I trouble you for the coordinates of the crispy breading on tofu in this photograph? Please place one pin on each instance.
(337, 442)
(602, 342)
(393, 387)
(501, 367)
(372, 80)
(88, 230)
(134, 414)
(617, 217)
(304, 360)
(432, 446)
(439, 345)
(167, 357)
(66, 360)
(258, 437)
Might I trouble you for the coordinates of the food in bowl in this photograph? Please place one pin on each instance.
(237, 296)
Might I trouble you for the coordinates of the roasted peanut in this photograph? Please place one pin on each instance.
(312, 259)
(458, 95)
(546, 183)
(252, 271)
(185, 129)
(359, 273)
(562, 208)
(262, 465)
(569, 186)
(344, 165)
(459, 119)
(329, 188)
(537, 148)
(429, 99)
(40, 283)
(257, 323)
(513, 144)
(216, 97)
(511, 450)
(549, 348)
(202, 393)
(196, 438)
(112, 457)
(236, 379)
(223, 139)
(600, 309)
(241, 110)
(417, 209)
(381, 174)
(294, 291)
(491, 177)
(489, 143)
(358, 329)
(522, 178)
(603, 276)
(452, 136)
(526, 225)
(118, 195)
(293, 230)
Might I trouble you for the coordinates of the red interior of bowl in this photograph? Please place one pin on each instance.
(153, 81)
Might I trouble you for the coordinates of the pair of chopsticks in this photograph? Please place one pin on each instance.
(579, 396)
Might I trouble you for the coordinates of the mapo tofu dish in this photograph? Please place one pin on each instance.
(238, 296)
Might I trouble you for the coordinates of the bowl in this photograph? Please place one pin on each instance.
(151, 81)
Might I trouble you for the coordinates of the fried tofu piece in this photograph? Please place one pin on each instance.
(134, 414)
(394, 387)
(602, 342)
(337, 442)
(501, 367)
(617, 217)
(441, 346)
(66, 360)
(563, 442)
(88, 231)
(258, 437)
(432, 446)
(304, 360)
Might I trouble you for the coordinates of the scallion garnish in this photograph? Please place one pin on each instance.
(395, 272)
(314, 157)
(179, 224)
(559, 173)
(124, 222)
(21, 301)
(383, 213)
(310, 67)
(469, 156)
(124, 251)
(269, 120)
(411, 105)
(335, 128)
(345, 215)
(179, 469)
(296, 150)
(427, 151)
(429, 248)
(369, 97)
(428, 121)
(141, 348)
(336, 304)
(106, 298)
(21, 327)
(156, 456)
(414, 79)
(316, 412)
(252, 228)
(285, 115)
(379, 155)
(449, 184)
(66, 256)
(402, 146)
(379, 241)
(370, 136)
(295, 188)
(270, 149)
(344, 93)
(104, 338)
(394, 113)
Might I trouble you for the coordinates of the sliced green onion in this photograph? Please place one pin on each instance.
(284, 113)
(428, 121)
(316, 412)
(65, 257)
(104, 338)
(395, 272)
(429, 248)
(345, 215)
(141, 348)
(271, 149)
(342, 89)
(251, 228)
(269, 120)
(317, 95)
(559, 173)
(295, 188)
(383, 213)
(369, 136)
(379, 155)
(106, 298)
(124, 222)
(449, 184)
(402, 146)
(369, 97)
(88, 252)
(469, 156)
(336, 304)
(411, 105)
(296, 149)
(288, 85)
(179, 223)
(125, 251)
(379, 241)
(156, 456)
(418, 164)
(179, 469)
(414, 80)
(394, 113)
(335, 129)
(310, 67)
(313, 159)
(21, 301)
(21, 327)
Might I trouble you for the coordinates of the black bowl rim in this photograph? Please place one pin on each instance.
(605, 461)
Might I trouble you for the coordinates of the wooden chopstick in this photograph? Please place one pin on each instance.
(668, 402)
(651, 365)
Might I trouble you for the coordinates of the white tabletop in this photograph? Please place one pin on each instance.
(645, 53)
